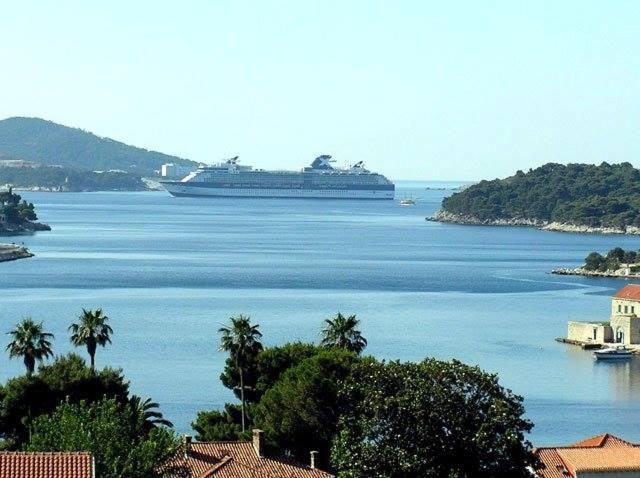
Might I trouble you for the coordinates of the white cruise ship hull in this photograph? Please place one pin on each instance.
(185, 189)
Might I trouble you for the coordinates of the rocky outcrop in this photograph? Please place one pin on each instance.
(444, 216)
(583, 229)
(447, 217)
(11, 252)
(7, 229)
(579, 271)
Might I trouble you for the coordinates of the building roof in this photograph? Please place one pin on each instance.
(239, 460)
(598, 454)
(629, 292)
(46, 465)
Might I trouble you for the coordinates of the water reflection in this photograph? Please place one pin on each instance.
(622, 376)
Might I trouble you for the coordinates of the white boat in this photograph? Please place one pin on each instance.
(407, 202)
(613, 353)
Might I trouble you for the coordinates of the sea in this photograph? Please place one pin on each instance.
(170, 271)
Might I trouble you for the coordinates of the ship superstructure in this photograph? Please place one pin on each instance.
(320, 180)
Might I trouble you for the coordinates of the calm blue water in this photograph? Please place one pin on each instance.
(169, 271)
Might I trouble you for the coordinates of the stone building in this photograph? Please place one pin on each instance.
(624, 324)
(625, 315)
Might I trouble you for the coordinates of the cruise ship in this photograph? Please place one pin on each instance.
(320, 180)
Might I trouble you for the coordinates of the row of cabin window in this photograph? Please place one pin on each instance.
(626, 309)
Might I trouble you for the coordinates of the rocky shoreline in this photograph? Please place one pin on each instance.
(24, 228)
(579, 271)
(12, 252)
(446, 217)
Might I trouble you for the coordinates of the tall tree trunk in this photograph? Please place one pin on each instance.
(30, 363)
(242, 397)
(93, 362)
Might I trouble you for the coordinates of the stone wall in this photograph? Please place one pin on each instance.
(591, 332)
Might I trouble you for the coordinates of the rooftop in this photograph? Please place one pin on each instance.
(599, 454)
(629, 292)
(46, 465)
(239, 459)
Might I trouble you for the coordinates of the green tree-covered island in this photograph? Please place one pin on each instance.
(616, 263)
(573, 197)
(18, 216)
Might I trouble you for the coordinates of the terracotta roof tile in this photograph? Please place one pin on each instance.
(629, 292)
(601, 453)
(593, 460)
(240, 460)
(46, 465)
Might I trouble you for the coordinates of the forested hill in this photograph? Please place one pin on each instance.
(48, 143)
(604, 196)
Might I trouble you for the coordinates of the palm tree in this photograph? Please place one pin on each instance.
(31, 343)
(146, 414)
(341, 332)
(92, 330)
(242, 340)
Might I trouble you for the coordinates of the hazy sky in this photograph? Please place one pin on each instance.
(417, 89)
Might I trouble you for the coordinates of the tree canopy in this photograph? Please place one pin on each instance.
(66, 379)
(31, 343)
(300, 412)
(343, 332)
(113, 434)
(429, 419)
(15, 209)
(607, 195)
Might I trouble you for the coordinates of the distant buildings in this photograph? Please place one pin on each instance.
(623, 327)
(602, 456)
(241, 459)
(46, 465)
(171, 170)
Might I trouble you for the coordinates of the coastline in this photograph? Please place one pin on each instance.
(449, 218)
(12, 252)
(24, 228)
(579, 271)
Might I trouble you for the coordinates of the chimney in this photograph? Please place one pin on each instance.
(186, 441)
(258, 442)
(314, 457)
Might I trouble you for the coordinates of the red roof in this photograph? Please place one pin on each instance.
(629, 292)
(238, 459)
(45, 465)
(596, 454)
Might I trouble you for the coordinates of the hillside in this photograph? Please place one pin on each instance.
(48, 143)
(578, 197)
(50, 178)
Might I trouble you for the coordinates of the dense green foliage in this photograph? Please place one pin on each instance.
(15, 209)
(612, 261)
(266, 368)
(261, 373)
(214, 425)
(68, 179)
(113, 432)
(300, 412)
(607, 195)
(48, 143)
(429, 419)
(67, 378)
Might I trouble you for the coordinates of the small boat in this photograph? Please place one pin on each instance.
(407, 202)
(613, 353)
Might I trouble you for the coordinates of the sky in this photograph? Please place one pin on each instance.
(433, 90)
